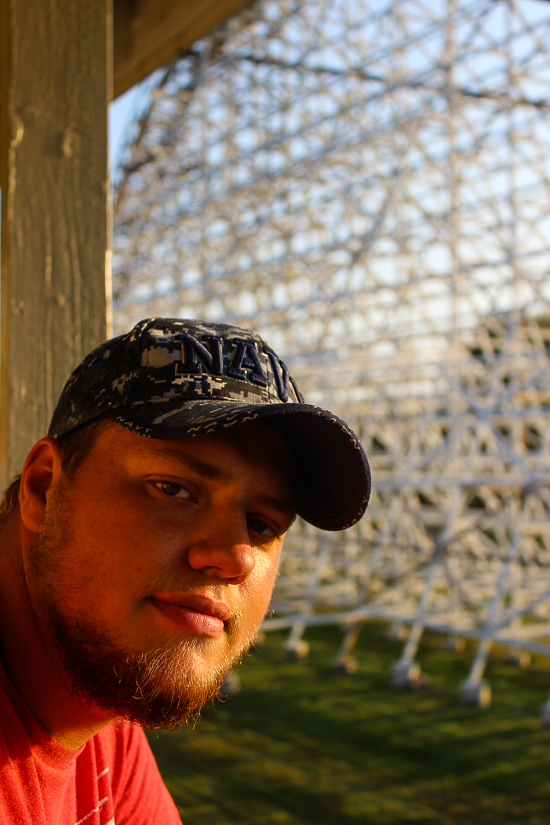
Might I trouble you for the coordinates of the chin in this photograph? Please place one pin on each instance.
(156, 688)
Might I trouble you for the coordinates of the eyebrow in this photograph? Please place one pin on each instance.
(281, 505)
(213, 473)
(202, 468)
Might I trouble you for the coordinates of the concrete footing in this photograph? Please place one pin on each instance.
(545, 715)
(518, 658)
(406, 675)
(231, 685)
(344, 665)
(474, 694)
(296, 649)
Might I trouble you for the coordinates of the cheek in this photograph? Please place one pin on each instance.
(127, 536)
(256, 593)
(105, 560)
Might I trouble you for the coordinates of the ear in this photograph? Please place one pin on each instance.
(41, 472)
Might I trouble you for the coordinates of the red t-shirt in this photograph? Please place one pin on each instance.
(112, 780)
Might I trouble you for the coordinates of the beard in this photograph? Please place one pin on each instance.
(156, 688)
(159, 688)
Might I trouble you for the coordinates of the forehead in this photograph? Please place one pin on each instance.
(218, 456)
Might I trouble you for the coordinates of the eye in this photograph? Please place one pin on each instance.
(262, 528)
(170, 488)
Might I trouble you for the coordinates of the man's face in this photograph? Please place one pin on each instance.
(155, 565)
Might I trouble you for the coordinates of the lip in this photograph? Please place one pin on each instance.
(198, 615)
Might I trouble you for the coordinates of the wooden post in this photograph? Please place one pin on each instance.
(55, 76)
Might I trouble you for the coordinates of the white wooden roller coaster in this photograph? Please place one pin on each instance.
(368, 185)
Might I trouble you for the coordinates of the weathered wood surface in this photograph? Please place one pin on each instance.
(55, 83)
(149, 33)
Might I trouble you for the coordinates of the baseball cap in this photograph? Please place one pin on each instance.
(177, 378)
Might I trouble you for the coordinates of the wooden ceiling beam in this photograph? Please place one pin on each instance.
(149, 33)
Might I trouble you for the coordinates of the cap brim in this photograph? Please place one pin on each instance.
(333, 471)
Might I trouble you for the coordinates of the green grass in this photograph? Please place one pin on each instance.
(299, 745)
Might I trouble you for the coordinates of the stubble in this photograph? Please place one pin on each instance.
(156, 688)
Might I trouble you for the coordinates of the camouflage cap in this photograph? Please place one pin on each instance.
(174, 378)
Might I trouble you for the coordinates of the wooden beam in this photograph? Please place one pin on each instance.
(55, 83)
(149, 33)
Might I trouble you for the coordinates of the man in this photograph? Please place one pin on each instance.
(139, 550)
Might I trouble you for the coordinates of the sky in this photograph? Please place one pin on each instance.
(122, 113)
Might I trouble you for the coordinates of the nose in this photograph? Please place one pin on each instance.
(222, 549)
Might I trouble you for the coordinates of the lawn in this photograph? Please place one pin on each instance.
(299, 745)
